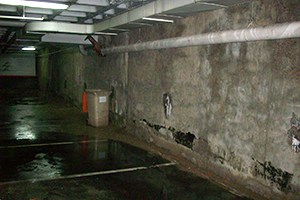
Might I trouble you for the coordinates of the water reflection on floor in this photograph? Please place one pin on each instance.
(42, 159)
(45, 172)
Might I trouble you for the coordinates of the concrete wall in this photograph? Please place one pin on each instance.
(231, 102)
(43, 70)
(67, 74)
(18, 64)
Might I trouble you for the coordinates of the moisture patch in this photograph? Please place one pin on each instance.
(281, 179)
(185, 139)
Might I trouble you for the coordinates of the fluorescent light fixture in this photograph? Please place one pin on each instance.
(21, 17)
(29, 48)
(119, 29)
(35, 4)
(213, 4)
(158, 19)
(105, 33)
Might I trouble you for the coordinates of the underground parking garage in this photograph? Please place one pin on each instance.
(201, 99)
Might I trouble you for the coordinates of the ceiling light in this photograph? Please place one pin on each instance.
(35, 4)
(29, 48)
(105, 33)
(21, 17)
(158, 19)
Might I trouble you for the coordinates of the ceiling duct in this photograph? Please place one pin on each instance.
(59, 27)
(147, 11)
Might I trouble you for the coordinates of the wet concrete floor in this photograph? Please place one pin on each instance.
(46, 153)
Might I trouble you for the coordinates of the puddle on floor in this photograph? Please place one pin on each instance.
(48, 171)
(40, 161)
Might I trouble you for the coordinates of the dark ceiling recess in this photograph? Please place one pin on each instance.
(99, 17)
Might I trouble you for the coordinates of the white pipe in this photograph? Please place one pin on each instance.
(273, 32)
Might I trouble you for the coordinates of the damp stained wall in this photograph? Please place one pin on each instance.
(233, 101)
(43, 70)
(10, 65)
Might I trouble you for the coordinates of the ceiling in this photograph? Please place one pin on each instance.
(19, 27)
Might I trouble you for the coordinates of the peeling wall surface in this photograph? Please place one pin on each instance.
(234, 101)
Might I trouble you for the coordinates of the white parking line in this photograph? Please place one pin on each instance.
(33, 180)
(51, 144)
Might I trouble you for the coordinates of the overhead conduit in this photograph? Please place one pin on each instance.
(277, 31)
(273, 32)
(153, 8)
(59, 27)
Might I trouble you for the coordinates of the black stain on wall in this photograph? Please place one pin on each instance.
(281, 179)
(186, 139)
(154, 126)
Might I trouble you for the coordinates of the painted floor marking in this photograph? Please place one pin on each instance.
(33, 180)
(50, 144)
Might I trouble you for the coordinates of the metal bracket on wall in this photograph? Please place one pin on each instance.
(167, 105)
(96, 46)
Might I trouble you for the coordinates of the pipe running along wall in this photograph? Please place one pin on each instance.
(273, 32)
(10, 23)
